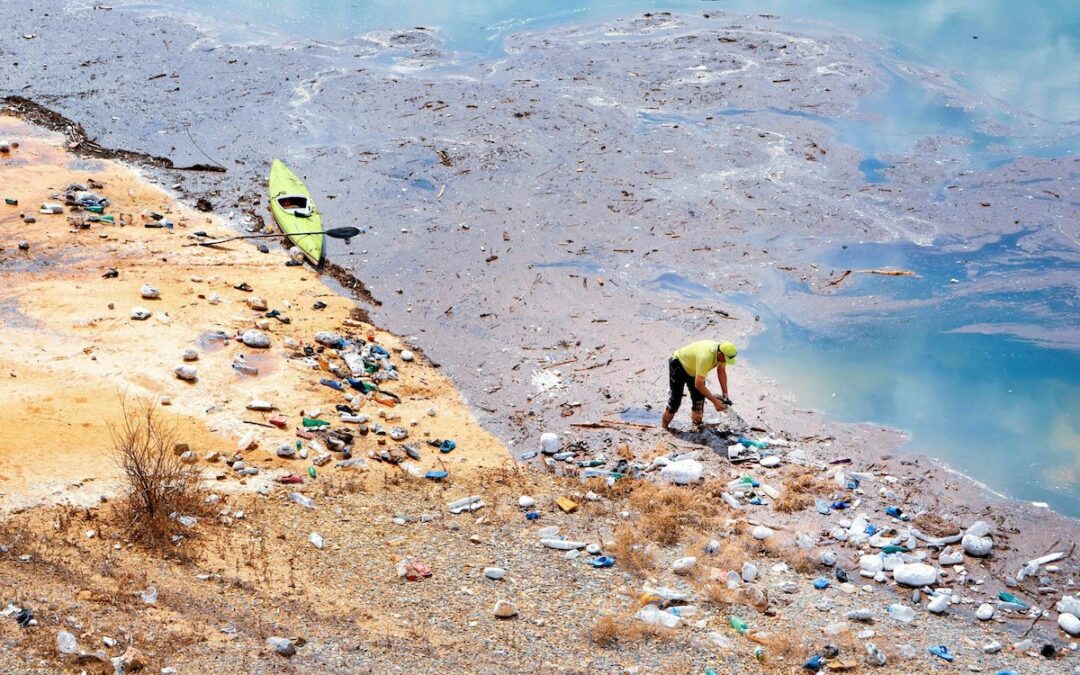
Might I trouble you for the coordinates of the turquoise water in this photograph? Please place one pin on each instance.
(1009, 393)
(1025, 52)
(983, 373)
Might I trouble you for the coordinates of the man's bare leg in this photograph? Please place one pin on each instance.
(666, 420)
(696, 417)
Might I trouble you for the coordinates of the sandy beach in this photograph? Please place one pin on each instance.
(248, 569)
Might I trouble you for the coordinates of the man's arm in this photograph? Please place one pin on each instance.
(721, 374)
(699, 384)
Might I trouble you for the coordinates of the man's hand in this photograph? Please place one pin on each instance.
(726, 400)
(719, 405)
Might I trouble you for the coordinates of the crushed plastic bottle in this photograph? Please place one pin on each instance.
(297, 498)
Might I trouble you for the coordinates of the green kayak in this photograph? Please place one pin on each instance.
(295, 211)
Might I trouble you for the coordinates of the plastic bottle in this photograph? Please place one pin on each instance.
(751, 443)
(297, 498)
(240, 365)
(650, 614)
(901, 613)
(739, 624)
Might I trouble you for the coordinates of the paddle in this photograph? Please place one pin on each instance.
(345, 233)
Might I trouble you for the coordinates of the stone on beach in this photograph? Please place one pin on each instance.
(915, 575)
(148, 292)
(1069, 623)
(761, 533)
(186, 373)
(976, 546)
(140, 313)
(255, 339)
(504, 609)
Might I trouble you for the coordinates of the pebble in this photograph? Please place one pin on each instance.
(549, 443)
(978, 529)
(976, 546)
(526, 502)
(871, 564)
(257, 303)
(860, 615)
(593, 549)
(828, 558)
(992, 647)
(186, 373)
(1069, 623)
(190, 355)
(684, 565)
(140, 313)
(915, 575)
(985, 612)
(949, 557)
(770, 461)
(328, 339)
(148, 292)
(494, 573)
(749, 572)
(283, 646)
(316, 540)
(66, 643)
(761, 533)
(407, 355)
(505, 609)
(255, 339)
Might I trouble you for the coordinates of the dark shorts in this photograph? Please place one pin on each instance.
(678, 380)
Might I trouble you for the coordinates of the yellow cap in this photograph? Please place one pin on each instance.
(729, 352)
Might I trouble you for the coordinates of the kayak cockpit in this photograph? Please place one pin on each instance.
(297, 205)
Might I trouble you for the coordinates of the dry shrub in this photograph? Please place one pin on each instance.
(747, 595)
(157, 482)
(633, 553)
(667, 512)
(786, 646)
(732, 554)
(798, 491)
(608, 631)
(796, 557)
(935, 526)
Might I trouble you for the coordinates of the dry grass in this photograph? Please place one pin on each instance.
(633, 554)
(157, 483)
(733, 552)
(717, 593)
(797, 558)
(798, 491)
(783, 648)
(667, 513)
(608, 631)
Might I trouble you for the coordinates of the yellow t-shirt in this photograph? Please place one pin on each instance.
(698, 358)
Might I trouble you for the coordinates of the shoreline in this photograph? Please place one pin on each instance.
(96, 342)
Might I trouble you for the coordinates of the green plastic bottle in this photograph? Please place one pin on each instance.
(739, 624)
(309, 422)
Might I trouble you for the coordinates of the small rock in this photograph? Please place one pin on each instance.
(186, 373)
(140, 313)
(769, 461)
(504, 609)
(283, 646)
(255, 339)
(761, 533)
(992, 647)
(526, 502)
(407, 355)
(828, 557)
(66, 643)
(148, 292)
(316, 540)
(915, 575)
(260, 405)
(190, 355)
(749, 572)
(593, 549)
(549, 443)
(976, 546)
(978, 529)
(1069, 623)
(257, 303)
(328, 339)
(494, 573)
(985, 612)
